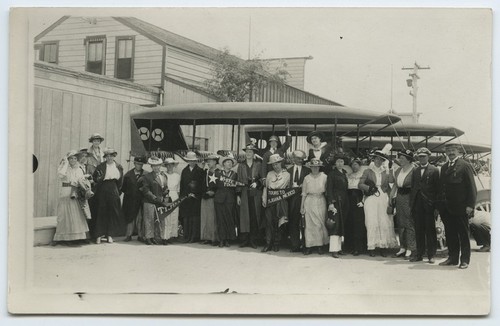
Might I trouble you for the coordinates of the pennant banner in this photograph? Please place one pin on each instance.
(277, 195)
(166, 211)
(228, 182)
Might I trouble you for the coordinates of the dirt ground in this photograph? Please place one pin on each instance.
(132, 267)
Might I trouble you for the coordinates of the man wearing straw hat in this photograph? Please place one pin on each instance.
(457, 198)
(191, 184)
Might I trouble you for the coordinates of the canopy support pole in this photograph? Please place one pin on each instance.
(296, 139)
(232, 137)
(334, 134)
(194, 134)
(239, 135)
(357, 141)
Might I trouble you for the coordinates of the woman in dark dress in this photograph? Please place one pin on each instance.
(108, 177)
(225, 202)
(355, 230)
(338, 203)
(192, 178)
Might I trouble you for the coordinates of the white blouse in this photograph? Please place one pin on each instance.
(112, 172)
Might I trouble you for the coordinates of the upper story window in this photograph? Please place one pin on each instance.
(124, 62)
(49, 51)
(95, 56)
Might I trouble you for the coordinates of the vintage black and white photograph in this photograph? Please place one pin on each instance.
(252, 161)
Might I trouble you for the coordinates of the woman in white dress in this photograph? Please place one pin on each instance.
(313, 208)
(71, 221)
(379, 225)
(173, 183)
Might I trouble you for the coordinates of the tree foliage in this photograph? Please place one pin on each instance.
(235, 80)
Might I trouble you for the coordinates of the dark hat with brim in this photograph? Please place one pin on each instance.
(316, 133)
(340, 157)
(140, 160)
(407, 153)
(423, 151)
(250, 147)
(212, 157)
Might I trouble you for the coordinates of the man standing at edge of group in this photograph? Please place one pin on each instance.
(457, 198)
(424, 188)
(297, 174)
(192, 178)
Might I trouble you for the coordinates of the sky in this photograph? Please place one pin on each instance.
(357, 53)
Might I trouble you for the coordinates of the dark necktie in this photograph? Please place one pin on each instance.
(296, 177)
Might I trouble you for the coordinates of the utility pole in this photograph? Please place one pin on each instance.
(413, 84)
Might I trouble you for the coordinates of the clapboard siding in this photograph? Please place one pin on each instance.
(71, 35)
(66, 114)
(187, 66)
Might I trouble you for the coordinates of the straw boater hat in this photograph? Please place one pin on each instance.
(170, 160)
(423, 151)
(407, 153)
(316, 133)
(299, 154)
(314, 163)
(383, 153)
(275, 158)
(72, 153)
(96, 136)
(212, 157)
(140, 160)
(155, 161)
(190, 157)
(229, 157)
(274, 138)
(109, 151)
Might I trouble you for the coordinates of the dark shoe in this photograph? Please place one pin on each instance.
(226, 243)
(335, 255)
(396, 255)
(320, 251)
(448, 262)
(372, 253)
(164, 242)
(276, 248)
(463, 265)
(296, 249)
(140, 239)
(341, 253)
(355, 253)
(206, 242)
(484, 249)
(148, 242)
(153, 241)
(383, 253)
(307, 251)
(266, 248)
(128, 238)
(214, 243)
(415, 259)
(221, 244)
(431, 260)
(253, 245)
(244, 244)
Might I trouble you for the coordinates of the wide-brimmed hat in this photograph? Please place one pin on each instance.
(155, 161)
(140, 159)
(275, 158)
(314, 162)
(96, 136)
(250, 147)
(226, 158)
(170, 160)
(454, 143)
(299, 154)
(340, 156)
(423, 151)
(316, 133)
(407, 153)
(274, 138)
(109, 151)
(212, 157)
(190, 156)
(72, 153)
(382, 153)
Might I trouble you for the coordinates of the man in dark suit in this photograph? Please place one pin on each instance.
(192, 178)
(297, 174)
(275, 147)
(424, 188)
(457, 195)
(132, 200)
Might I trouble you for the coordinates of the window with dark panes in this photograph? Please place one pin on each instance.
(96, 54)
(49, 52)
(124, 57)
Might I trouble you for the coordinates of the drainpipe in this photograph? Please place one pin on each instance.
(163, 67)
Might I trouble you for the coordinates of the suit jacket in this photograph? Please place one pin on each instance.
(255, 176)
(100, 173)
(326, 157)
(280, 150)
(336, 186)
(132, 195)
(152, 191)
(426, 184)
(457, 188)
(303, 172)
(191, 182)
(369, 174)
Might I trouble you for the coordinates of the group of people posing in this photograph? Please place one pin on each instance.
(313, 205)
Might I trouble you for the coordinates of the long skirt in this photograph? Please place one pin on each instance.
(315, 216)
(208, 221)
(225, 221)
(379, 225)
(71, 222)
(405, 224)
(109, 221)
(356, 226)
(172, 221)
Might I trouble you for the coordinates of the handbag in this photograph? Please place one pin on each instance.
(390, 210)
